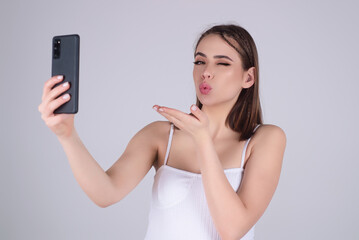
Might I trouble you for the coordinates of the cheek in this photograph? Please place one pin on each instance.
(195, 71)
(231, 84)
(229, 90)
(232, 79)
(196, 75)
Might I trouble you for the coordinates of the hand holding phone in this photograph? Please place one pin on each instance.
(65, 62)
(61, 124)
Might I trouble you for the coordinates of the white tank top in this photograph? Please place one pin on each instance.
(179, 207)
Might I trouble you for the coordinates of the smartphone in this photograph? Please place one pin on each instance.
(65, 61)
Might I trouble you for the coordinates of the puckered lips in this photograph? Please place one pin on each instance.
(204, 88)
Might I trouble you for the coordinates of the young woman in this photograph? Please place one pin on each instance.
(217, 167)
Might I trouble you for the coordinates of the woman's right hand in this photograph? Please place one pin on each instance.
(61, 124)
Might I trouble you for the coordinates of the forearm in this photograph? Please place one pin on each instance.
(88, 173)
(225, 207)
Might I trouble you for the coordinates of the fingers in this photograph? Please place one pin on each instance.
(54, 93)
(54, 104)
(48, 109)
(197, 112)
(178, 123)
(173, 112)
(49, 85)
(49, 103)
(170, 118)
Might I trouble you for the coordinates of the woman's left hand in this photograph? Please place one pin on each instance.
(197, 127)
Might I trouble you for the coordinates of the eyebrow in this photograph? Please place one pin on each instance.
(217, 56)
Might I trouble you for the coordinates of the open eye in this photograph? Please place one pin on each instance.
(198, 62)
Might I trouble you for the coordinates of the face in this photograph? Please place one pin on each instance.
(217, 66)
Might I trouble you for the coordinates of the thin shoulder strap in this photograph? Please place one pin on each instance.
(245, 146)
(169, 143)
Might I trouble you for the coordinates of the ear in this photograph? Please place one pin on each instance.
(249, 78)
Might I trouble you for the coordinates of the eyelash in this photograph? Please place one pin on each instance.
(224, 64)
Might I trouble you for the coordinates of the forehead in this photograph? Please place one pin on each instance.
(213, 44)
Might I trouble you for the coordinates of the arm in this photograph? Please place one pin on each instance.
(88, 173)
(107, 187)
(234, 214)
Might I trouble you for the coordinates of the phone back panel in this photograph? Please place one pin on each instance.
(65, 61)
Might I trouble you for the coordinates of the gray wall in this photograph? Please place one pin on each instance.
(135, 55)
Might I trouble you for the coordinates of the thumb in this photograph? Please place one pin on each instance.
(197, 112)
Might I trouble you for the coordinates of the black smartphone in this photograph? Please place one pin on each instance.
(65, 61)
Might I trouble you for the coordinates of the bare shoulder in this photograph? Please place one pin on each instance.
(156, 130)
(269, 130)
(160, 132)
(268, 133)
(159, 128)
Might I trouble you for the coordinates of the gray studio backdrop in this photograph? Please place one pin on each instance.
(137, 54)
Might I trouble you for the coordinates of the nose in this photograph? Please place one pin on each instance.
(206, 75)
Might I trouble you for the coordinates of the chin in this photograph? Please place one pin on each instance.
(211, 101)
(207, 101)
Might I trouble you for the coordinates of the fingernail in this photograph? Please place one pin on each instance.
(66, 96)
(194, 107)
(65, 84)
(155, 108)
(160, 109)
(59, 77)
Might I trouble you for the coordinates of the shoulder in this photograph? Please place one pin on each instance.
(270, 131)
(157, 130)
(268, 134)
(160, 126)
(157, 133)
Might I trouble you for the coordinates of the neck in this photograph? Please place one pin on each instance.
(217, 115)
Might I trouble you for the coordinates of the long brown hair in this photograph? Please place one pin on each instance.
(246, 113)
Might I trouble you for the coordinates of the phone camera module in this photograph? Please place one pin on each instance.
(56, 48)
